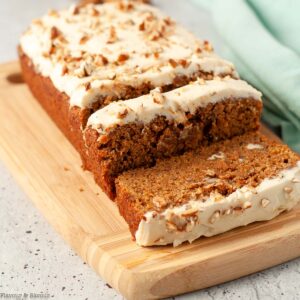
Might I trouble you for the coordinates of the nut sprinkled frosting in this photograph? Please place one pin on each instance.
(216, 215)
(112, 46)
(174, 105)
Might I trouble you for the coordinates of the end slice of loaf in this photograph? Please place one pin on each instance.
(217, 188)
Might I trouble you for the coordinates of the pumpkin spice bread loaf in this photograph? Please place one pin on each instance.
(209, 191)
(81, 59)
(166, 126)
(129, 134)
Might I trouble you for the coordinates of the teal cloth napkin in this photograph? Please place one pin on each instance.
(262, 38)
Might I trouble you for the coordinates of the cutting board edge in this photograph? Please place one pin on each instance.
(162, 283)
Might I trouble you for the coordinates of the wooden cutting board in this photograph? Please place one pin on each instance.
(48, 168)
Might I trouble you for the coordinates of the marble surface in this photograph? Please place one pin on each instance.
(34, 259)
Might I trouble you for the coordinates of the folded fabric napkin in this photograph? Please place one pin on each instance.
(262, 38)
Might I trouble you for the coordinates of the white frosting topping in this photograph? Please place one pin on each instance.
(173, 105)
(98, 49)
(197, 218)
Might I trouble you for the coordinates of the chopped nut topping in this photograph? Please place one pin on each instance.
(112, 35)
(171, 226)
(100, 127)
(69, 58)
(53, 13)
(112, 76)
(168, 21)
(184, 63)
(173, 63)
(295, 180)
(76, 10)
(142, 26)
(150, 17)
(84, 70)
(54, 33)
(265, 202)
(288, 189)
(214, 217)
(37, 22)
(101, 60)
(238, 209)
(153, 27)
(207, 46)
(247, 205)
(190, 225)
(87, 86)
(87, 69)
(157, 97)
(156, 54)
(84, 39)
(123, 57)
(125, 6)
(122, 115)
(228, 211)
(52, 50)
(201, 80)
(155, 35)
(65, 70)
(62, 39)
(159, 202)
(190, 212)
(95, 12)
(217, 197)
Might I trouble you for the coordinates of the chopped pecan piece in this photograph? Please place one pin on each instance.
(112, 35)
(173, 63)
(123, 114)
(84, 39)
(54, 33)
(123, 57)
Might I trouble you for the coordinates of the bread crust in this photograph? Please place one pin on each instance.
(68, 119)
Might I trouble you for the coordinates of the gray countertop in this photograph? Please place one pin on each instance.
(34, 259)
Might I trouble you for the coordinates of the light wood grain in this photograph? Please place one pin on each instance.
(48, 169)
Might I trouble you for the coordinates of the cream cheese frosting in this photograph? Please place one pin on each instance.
(173, 105)
(98, 49)
(214, 216)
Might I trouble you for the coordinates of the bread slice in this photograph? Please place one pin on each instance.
(212, 190)
(129, 134)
